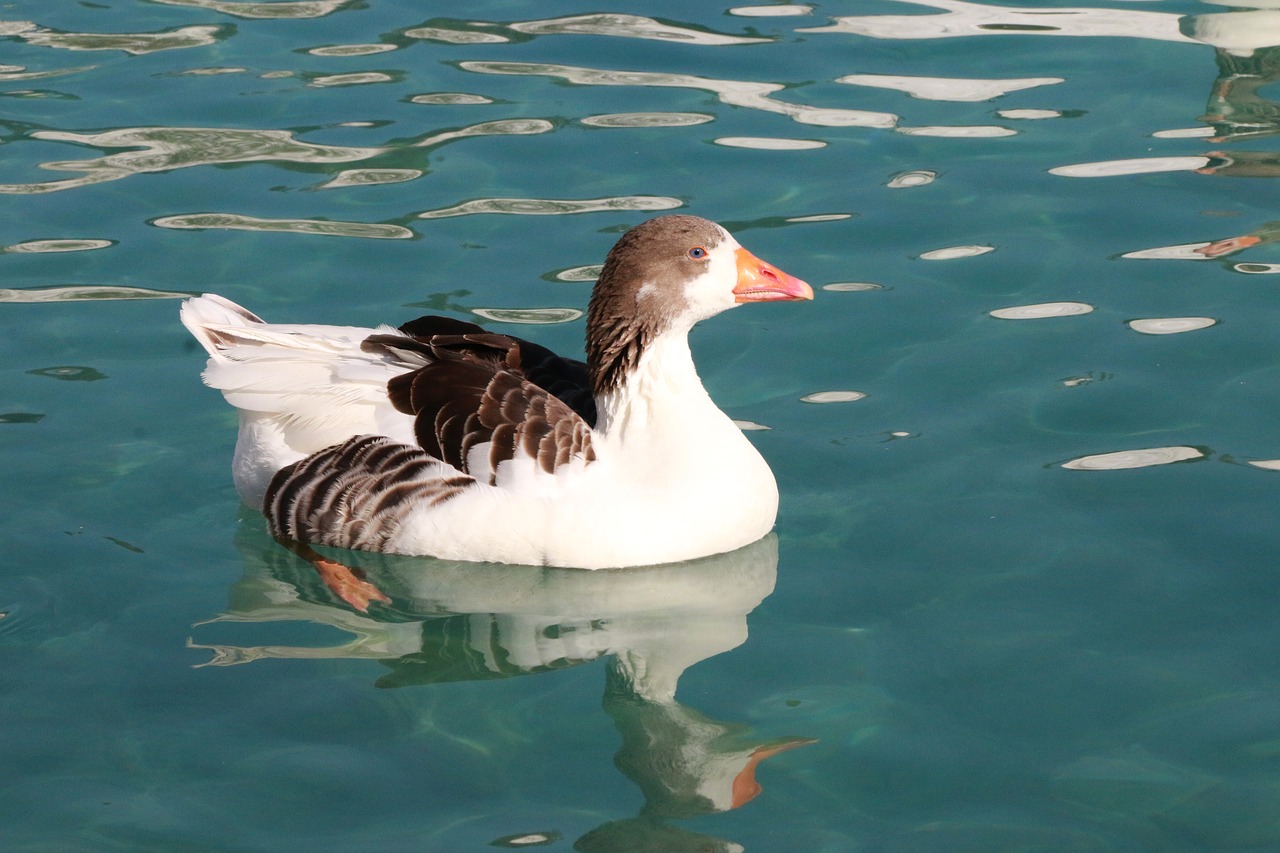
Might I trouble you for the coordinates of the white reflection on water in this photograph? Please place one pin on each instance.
(769, 143)
(1124, 459)
(135, 43)
(948, 88)
(975, 19)
(959, 132)
(1134, 166)
(655, 119)
(590, 272)
(1171, 325)
(165, 148)
(737, 93)
(247, 9)
(547, 206)
(1239, 32)
(451, 36)
(771, 11)
(628, 26)
(324, 227)
(952, 252)
(362, 177)
(914, 178)
(18, 72)
(450, 98)
(1184, 133)
(820, 217)
(502, 127)
(359, 78)
(852, 286)
(86, 293)
(351, 49)
(212, 71)
(1183, 252)
(1042, 310)
(51, 246)
(832, 397)
(529, 316)
(1029, 114)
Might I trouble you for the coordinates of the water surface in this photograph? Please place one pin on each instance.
(1022, 593)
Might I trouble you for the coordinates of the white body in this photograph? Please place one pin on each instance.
(673, 477)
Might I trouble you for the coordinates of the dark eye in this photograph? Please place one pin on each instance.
(697, 253)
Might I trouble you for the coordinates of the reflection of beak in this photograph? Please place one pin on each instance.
(745, 786)
(761, 282)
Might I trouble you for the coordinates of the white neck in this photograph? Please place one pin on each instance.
(663, 391)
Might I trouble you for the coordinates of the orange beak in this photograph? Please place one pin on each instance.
(761, 282)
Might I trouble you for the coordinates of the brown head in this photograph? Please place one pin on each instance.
(665, 275)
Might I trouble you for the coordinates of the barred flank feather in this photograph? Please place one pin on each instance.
(356, 494)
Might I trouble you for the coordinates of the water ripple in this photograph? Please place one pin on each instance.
(655, 119)
(980, 131)
(530, 316)
(9, 73)
(1042, 310)
(359, 78)
(737, 93)
(771, 11)
(769, 143)
(284, 9)
(952, 252)
(948, 88)
(452, 36)
(1135, 166)
(1181, 252)
(351, 49)
(628, 26)
(323, 227)
(365, 177)
(1124, 459)
(450, 98)
(590, 272)
(164, 148)
(546, 206)
(86, 293)
(51, 246)
(69, 373)
(960, 18)
(1171, 325)
(135, 43)
(913, 178)
(502, 127)
(852, 286)
(1029, 115)
(832, 397)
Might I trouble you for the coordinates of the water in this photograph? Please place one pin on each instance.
(1022, 594)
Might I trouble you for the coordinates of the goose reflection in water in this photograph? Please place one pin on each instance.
(432, 621)
(1246, 46)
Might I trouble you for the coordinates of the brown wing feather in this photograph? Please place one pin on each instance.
(436, 338)
(475, 389)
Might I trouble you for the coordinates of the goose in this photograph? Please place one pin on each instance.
(442, 439)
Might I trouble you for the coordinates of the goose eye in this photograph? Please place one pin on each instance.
(697, 253)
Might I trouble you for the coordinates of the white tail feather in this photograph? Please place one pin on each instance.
(306, 386)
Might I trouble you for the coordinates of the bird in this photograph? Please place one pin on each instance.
(442, 439)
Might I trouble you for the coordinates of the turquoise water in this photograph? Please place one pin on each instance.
(1022, 594)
